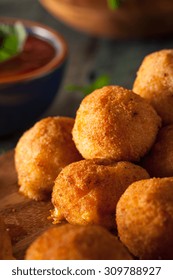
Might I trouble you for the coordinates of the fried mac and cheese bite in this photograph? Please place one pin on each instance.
(154, 82)
(144, 217)
(115, 123)
(41, 153)
(159, 161)
(86, 192)
(68, 242)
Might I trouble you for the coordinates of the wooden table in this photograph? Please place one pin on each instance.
(25, 219)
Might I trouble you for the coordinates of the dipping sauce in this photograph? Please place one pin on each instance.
(36, 54)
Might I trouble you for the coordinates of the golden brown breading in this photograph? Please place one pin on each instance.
(86, 192)
(144, 218)
(115, 123)
(5, 243)
(41, 153)
(68, 242)
(154, 82)
(159, 161)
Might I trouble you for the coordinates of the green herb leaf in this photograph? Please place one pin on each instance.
(13, 39)
(4, 55)
(21, 33)
(10, 44)
(101, 81)
(113, 4)
(5, 29)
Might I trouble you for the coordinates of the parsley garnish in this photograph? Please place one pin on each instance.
(12, 38)
(114, 4)
(101, 81)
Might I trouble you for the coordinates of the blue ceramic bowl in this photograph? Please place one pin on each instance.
(25, 97)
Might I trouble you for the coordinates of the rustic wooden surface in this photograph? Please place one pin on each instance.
(24, 218)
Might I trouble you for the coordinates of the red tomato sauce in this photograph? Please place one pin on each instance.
(36, 54)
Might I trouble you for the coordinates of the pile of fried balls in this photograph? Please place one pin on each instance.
(109, 171)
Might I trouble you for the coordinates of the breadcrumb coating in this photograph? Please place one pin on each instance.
(159, 161)
(154, 82)
(115, 123)
(68, 242)
(41, 153)
(86, 192)
(144, 218)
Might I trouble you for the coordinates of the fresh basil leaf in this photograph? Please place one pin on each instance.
(101, 81)
(5, 29)
(21, 33)
(4, 55)
(113, 4)
(10, 44)
(12, 40)
(73, 88)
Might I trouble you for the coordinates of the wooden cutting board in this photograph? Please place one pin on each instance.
(25, 218)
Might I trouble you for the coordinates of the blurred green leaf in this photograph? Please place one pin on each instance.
(113, 4)
(5, 29)
(21, 33)
(10, 44)
(101, 81)
(12, 40)
(4, 55)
